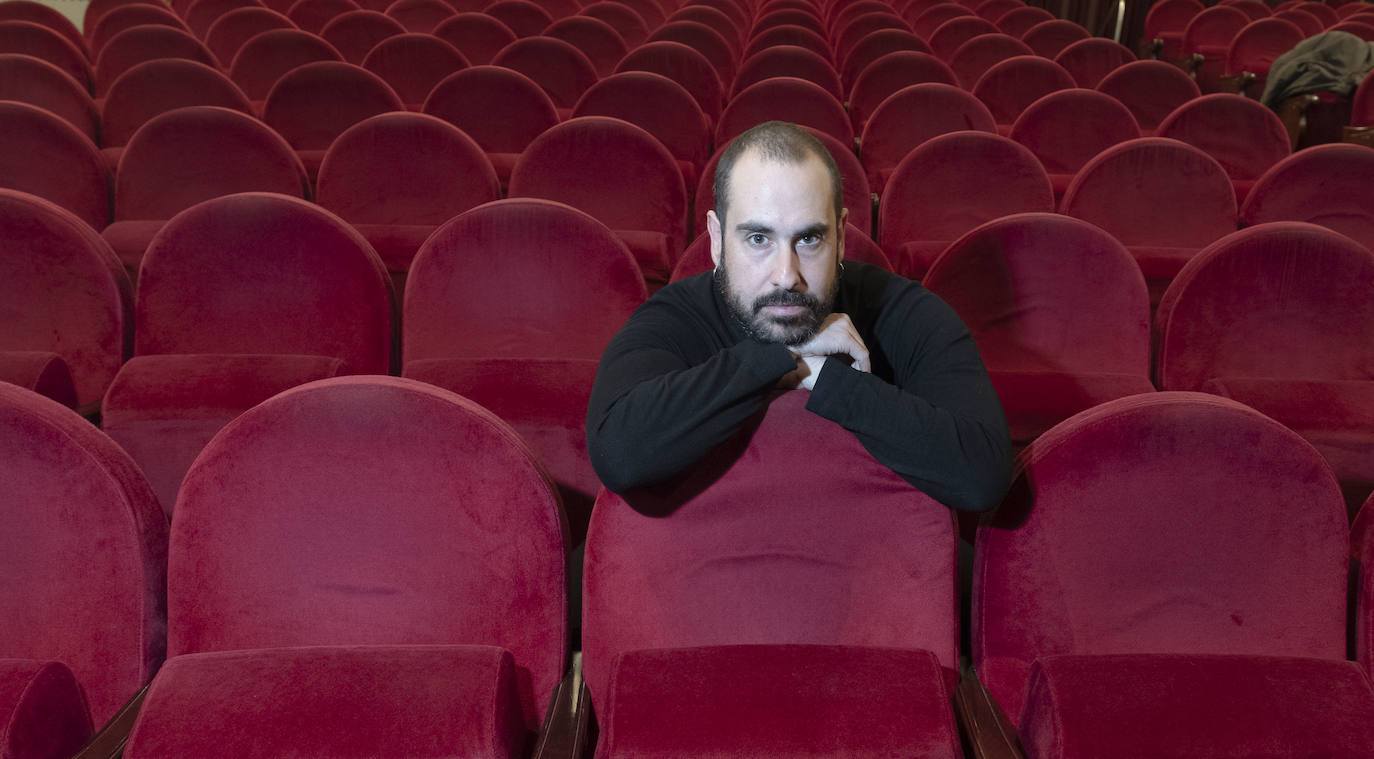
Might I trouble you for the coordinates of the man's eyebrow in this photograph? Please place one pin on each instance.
(753, 227)
(819, 229)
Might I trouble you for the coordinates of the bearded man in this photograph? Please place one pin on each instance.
(881, 356)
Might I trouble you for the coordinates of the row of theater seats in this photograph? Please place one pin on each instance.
(372, 564)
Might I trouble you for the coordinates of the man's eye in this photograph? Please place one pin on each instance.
(757, 239)
(810, 240)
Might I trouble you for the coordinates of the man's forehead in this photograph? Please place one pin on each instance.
(781, 185)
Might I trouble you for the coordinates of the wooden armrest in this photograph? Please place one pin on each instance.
(1151, 48)
(110, 741)
(1358, 135)
(566, 732)
(986, 728)
(1192, 63)
(1293, 112)
(1238, 83)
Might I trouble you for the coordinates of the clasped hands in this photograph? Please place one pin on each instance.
(836, 338)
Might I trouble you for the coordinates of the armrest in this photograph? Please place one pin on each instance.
(1293, 113)
(1151, 48)
(1358, 135)
(109, 742)
(1238, 83)
(565, 733)
(986, 728)
(1192, 63)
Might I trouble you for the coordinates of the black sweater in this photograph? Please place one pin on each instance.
(682, 376)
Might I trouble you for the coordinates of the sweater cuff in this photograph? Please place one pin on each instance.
(770, 361)
(832, 390)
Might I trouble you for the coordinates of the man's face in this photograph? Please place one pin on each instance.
(777, 260)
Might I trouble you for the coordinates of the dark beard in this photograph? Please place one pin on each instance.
(795, 330)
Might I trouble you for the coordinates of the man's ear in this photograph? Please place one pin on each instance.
(717, 240)
(839, 234)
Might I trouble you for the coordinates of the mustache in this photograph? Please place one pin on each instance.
(785, 298)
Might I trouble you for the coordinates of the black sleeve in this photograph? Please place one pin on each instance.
(940, 426)
(664, 396)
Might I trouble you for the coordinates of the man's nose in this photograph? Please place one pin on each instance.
(787, 270)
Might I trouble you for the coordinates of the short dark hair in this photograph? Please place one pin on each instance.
(778, 141)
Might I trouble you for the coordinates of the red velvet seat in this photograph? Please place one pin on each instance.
(1277, 316)
(1206, 40)
(1065, 129)
(231, 30)
(96, 10)
(1089, 60)
(875, 45)
(127, 17)
(775, 17)
(188, 155)
(1308, 23)
(44, 155)
(660, 107)
(596, 39)
(1255, 9)
(1060, 313)
(1361, 27)
(650, 10)
(201, 14)
(858, 246)
(785, 98)
(271, 55)
(140, 44)
(1165, 23)
(617, 173)
(950, 184)
(1253, 50)
(1322, 11)
(355, 33)
(765, 625)
(1243, 136)
(44, 15)
(426, 615)
(499, 108)
(39, 83)
(1329, 185)
(28, 38)
(631, 26)
(86, 557)
(313, 104)
(1017, 22)
(950, 35)
(64, 294)
(790, 35)
(1151, 90)
(683, 65)
(839, 14)
(1115, 611)
(477, 36)
(992, 10)
(420, 16)
(887, 75)
(41, 372)
(412, 64)
(239, 298)
(314, 15)
(911, 116)
(1049, 38)
(561, 69)
(845, 36)
(1163, 199)
(711, 43)
(155, 87)
(926, 21)
(1010, 86)
(790, 61)
(524, 17)
(730, 29)
(397, 176)
(975, 57)
(1362, 104)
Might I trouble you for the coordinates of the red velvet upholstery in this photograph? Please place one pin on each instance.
(791, 61)
(420, 16)
(1049, 38)
(659, 106)
(561, 69)
(1362, 104)
(890, 73)
(85, 555)
(727, 26)
(155, 87)
(1357, 27)
(1362, 574)
(723, 555)
(313, 15)
(784, 98)
(477, 36)
(1059, 311)
(39, 83)
(992, 10)
(1255, 47)
(711, 43)
(650, 10)
(1255, 9)
(355, 33)
(201, 14)
(925, 21)
(43, 372)
(950, 184)
(1018, 22)
(146, 43)
(128, 16)
(236, 27)
(582, 282)
(397, 176)
(499, 108)
(631, 26)
(950, 35)
(975, 57)
(1322, 11)
(313, 104)
(413, 64)
(1328, 185)
(1159, 523)
(1308, 23)
(770, 18)
(1161, 705)
(270, 55)
(1150, 89)
(858, 246)
(875, 45)
(1065, 129)
(43, 155)
(429, 522)
(596, 39)
(28, 38)
(44, 711)
(525, 18)
(97, 9)
(911, 116)
(43, 15)
(683, 65)
(62, 291)
(845, 36)
(1163, 199)
(182, 157)
(1008, 87)
(386, 701)
(617, 173)
(779, 700)
(1209, 35)
(1089, 60)
(791, 35)
(1245, 137)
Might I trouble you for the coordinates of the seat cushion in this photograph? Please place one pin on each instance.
(130, 239)
(43, 712)
(1035, 401)
(779, 700)
(396, 244)
(651, 251)
(1163, 705)
(375, 701)
(40, 371)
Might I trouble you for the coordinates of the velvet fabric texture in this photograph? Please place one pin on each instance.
(1209, 34)
(911, 116)
(1160, 523)
(1150, 89)
(477, 36)
(1255, 47)
(355, 33)
(412, 64)
(890, 73)
(975, 57)
(578, 285)
(62, 291)
(344, 701)
(748, 548)
(683, 65)
(28, 38)
(780, 700)
(44, 15)
(731, 27)
(875, 45)
(659, 106)
(313, 104)
(154, 87)
(1163, 199)
(200, 15)
(1243, 136)
(420, 16)
(1059, 311)
(560, 69)
(792, 35)
(857, 247)
(503, 110)
(617, 173)
(525, 18)
(594, 38)
(1307, 22)
(1009, 86)
(84, 554)
(785, 98)
(1049, 38)
(1017, 22)
(950, 35)
(44, 155)
(1089, 61)
(624, 19)
(43, 710)
(845, 35)
(228, 32)
(140, 44)
(1065, 129)
(1362, 561)
(313, 15)
(40, 83)
(397, 176)
(1325, 184)
(1362, 105)
(711, 43)
(126, 17)
(1162, 705)
(788, 60)
(429, 522)
(950, 184)
(270, 55)
(40, 371)
(1166, 21)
